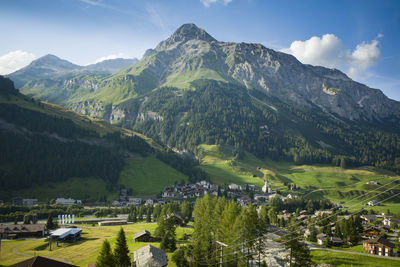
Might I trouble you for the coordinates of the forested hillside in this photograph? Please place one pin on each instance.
(42, 143)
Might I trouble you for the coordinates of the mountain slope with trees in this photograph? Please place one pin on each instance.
(43, 144)
(192, 89)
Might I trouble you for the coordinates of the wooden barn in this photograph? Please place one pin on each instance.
(142, 236)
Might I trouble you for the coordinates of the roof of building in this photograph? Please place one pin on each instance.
(372, 228)
(370, 217)
(64, 232)
(21, 228)
(321, 236)
(150, 256)
(394, 220)
(336, 239)
(39, 261)
(379, 240)
(141, 233)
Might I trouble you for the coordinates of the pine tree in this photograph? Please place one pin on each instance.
(105, 258)
(186, 211)
(272, 217)
(148, 215)
(50, 223)
(166, 230)
(121, 251)
(299, 255)
(313, 234)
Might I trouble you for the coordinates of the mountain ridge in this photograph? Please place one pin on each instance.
(309, 113)
(49, 65)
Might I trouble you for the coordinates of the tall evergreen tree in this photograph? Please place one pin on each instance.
(299, 255)
(105, 258)
(50, 223)
(121, 251)
(186, 211)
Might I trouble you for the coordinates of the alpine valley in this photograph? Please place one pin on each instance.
(243, 104)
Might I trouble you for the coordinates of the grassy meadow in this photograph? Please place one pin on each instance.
(148, 176)
(82, 252)
(347, 186)
(346, 260)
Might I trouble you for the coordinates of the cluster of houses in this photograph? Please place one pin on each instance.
(191, 191)
(373, 241)
(30, 202)
(238, 192)
(198, 189)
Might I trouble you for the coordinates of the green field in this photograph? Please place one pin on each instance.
(347, 186)
(148, 176)
(344, 259)
(82, 252)
(145, 176)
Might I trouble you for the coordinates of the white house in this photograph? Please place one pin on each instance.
(65, 201)
(373, 203)
(388, 221)
(134, 201)
(233, 187)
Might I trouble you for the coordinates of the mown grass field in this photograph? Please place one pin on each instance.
(347, 260)
(82, 252)
(347, 186)
(148, 176)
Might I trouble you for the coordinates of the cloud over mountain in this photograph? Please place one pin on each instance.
(15, 60)
(328, 51)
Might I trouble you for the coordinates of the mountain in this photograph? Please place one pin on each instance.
(110, 65)
(41, 68)
(50, 66)
(46, 147)
(192, 89)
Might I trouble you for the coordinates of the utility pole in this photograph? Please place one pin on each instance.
(221, 259)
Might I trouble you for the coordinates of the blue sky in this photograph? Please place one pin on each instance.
(360, 38)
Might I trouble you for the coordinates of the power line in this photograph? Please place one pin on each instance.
(337, 220)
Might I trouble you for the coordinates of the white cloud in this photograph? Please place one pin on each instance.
(365, 56)
(328, 51)
(112, 56)
(208, 3)
(15, 60)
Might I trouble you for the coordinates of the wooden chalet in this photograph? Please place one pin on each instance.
(378, 246)
(142, 236)
(12, 231)
(368, 218)
(39, 261)
(371, 232)
(177, 219)
(336, 241)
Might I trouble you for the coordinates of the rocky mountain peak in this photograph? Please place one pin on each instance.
(185, 33)
(53, 62)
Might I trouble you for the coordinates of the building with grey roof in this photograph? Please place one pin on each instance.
(150, 256)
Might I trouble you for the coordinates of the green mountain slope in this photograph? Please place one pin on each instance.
(346, 186)
(47, 151)
(192, 90)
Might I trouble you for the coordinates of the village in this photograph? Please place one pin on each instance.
(322, 224)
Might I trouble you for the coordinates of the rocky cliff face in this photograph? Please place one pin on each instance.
(194, 54)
